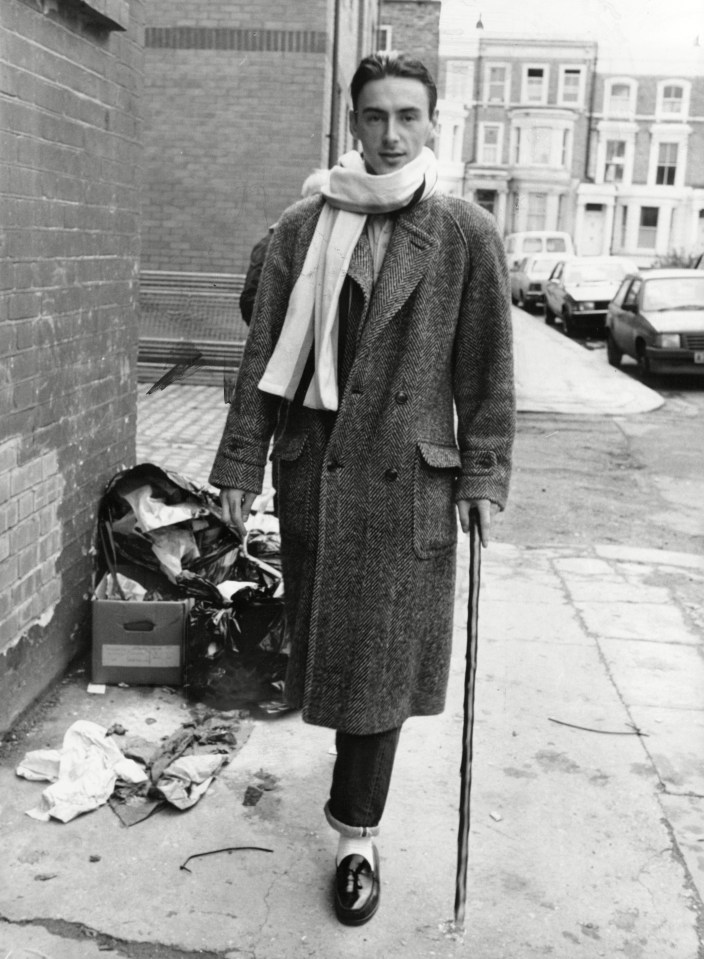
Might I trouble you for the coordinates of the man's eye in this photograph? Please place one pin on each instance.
(408, 118)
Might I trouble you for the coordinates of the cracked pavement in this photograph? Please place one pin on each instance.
(587, 832)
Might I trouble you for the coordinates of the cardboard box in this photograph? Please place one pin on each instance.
(139, 643)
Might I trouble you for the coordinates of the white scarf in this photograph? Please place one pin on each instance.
(312, 315)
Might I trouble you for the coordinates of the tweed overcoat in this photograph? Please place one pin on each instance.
(367, 514)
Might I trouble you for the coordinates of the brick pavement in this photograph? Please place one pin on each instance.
(179, 428)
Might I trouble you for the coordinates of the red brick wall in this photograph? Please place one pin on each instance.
(70, 127)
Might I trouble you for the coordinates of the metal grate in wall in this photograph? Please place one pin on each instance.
(233, 38)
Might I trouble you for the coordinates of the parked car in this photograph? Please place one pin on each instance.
(580, 289)
(528, 278)
(658, 318)
(518, 245)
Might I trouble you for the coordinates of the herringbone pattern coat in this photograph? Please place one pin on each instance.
(368, 521)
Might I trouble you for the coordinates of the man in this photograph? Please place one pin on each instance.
(383, 308)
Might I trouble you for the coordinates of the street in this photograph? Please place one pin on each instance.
(587, 828)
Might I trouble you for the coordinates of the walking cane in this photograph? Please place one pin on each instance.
(475, 548)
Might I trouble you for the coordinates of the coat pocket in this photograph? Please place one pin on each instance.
(293, 478)
(434, 519)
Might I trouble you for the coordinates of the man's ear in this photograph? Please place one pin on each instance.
(433, 131)
(352, 118)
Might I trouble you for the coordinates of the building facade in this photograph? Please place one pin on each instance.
(412, 27)
(243, 99)
(544, 137)
(70, 129)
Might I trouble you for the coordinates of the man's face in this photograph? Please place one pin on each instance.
(392, 122)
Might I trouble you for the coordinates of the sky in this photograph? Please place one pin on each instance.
(645, 30)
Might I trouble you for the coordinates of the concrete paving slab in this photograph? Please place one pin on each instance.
(675, 745)
(605, 591)
(655, 622)
(656, 674)
(686, 817)
(556, 375)
(530, 622)
(650, 557)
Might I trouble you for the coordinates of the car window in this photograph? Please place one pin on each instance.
(532, 244)
(621, 292)
(631, 297)
(542, 266)
(555, 244)
(674, 293)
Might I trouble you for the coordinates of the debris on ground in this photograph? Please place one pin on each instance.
(136, 777)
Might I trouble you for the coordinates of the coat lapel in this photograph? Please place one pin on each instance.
(410, 252)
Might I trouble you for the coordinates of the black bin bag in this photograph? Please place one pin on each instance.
(163, 531)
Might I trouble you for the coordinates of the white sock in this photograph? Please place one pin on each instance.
(355, 847)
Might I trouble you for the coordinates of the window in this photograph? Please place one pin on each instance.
(456, 143)
(535, 84)
(486, 199)
(648, 229)
(620, 98)
(564, 153)
(631, 298)
(615, 161)
(672, 100)
(491, 141)
(383, 37)
(667, 164)
(570, 86)
(496, 78)
(537, 210)
(540, 145)
(457, 80)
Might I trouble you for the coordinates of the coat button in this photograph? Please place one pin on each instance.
(401, 397)
(391, 475)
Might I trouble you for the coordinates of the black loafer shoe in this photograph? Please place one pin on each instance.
(357, 889)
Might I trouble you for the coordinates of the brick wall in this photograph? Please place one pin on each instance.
(237, 114)
(415, 29)
(230, 133)
(70, 128)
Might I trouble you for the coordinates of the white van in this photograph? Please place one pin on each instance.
(518, 245)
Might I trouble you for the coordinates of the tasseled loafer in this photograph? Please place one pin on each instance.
(357, 889)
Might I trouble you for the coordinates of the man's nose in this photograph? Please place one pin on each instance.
(391, 131)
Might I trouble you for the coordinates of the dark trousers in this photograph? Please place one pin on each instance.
(360, 782)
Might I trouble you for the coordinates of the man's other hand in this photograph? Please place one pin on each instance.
(485, 510)
(236, 504)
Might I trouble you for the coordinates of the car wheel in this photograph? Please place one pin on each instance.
(549, 315)
(613, 353)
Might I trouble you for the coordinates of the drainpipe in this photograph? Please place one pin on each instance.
(332, 135)
(590, 118)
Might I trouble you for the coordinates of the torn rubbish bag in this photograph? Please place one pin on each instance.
(161, 530)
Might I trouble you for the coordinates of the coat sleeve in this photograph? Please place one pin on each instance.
(483, 367)
(241, 458)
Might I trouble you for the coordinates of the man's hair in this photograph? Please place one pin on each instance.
(391, 63)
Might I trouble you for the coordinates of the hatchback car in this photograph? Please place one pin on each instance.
(658, 318)
(528, 279)
(580, 289)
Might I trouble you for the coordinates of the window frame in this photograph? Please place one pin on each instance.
(527, 67)
(566, 68)
(642, 226)
(483, 127)
(630, 110)
(686, 88)
(506, 67)
(387, 30)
